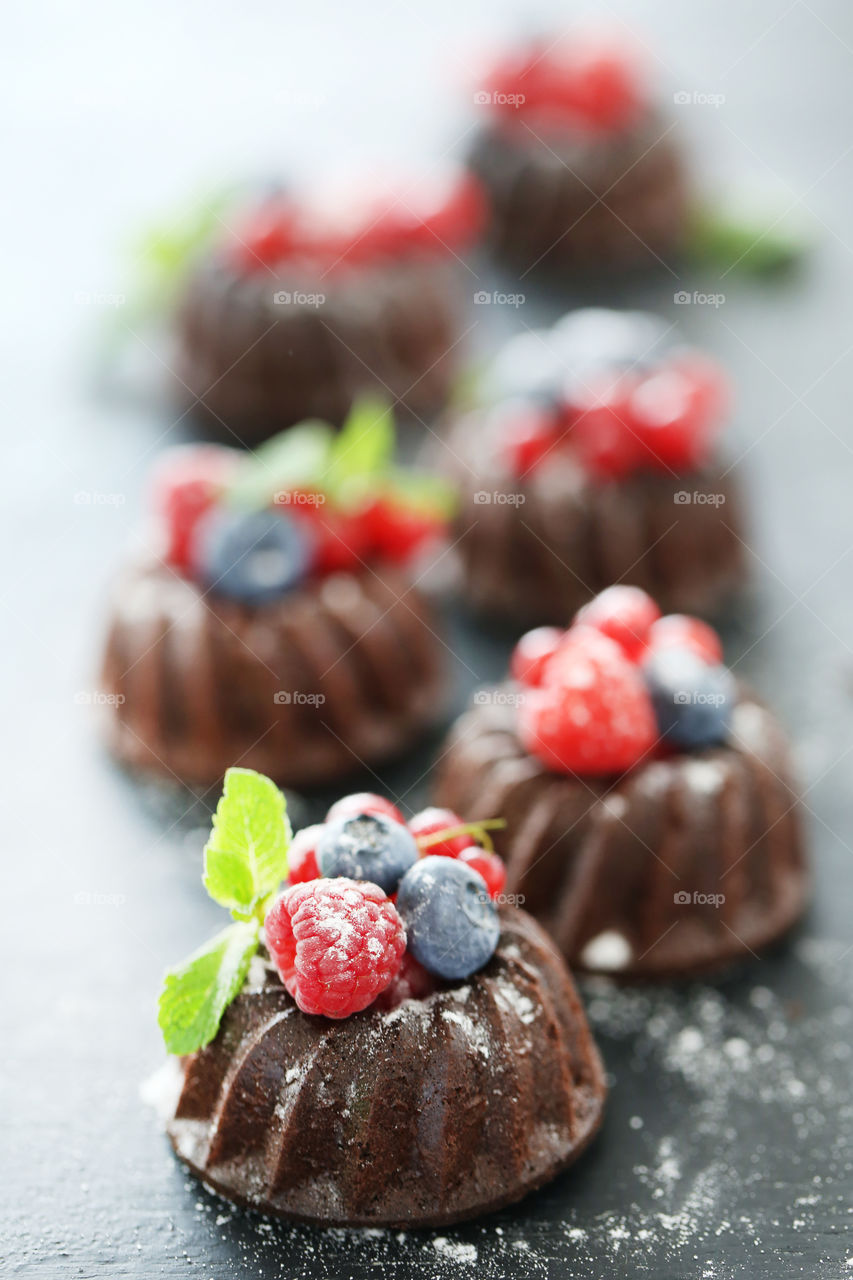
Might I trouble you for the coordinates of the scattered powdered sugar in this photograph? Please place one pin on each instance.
(457, 1252)
(608, 951)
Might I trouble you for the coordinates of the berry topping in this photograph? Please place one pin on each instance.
(341, 539)
(451, 922)
(626, 614)
(489, 867)
(336, 944)
(692, 700)
(676, 411)
(603, 438)
(429, 823)
(187, 484)
(527, 436)
(398, 532)
(302, 856)
(253, 557)
(364, 802)
(677, 631)
(412, 982)
(594, 714)
(366, 846)
(532, 654)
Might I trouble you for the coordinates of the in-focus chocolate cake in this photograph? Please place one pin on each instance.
(309, 301)
(597, 459)
(580, 166)
(652, 820)
(347, 1083)
(272, 621)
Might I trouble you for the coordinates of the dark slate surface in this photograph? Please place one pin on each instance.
(727, 1146)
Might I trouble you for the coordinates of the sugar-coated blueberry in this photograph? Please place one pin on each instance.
(451, 922)
(366, 846)
(693, 701)
(252, 556)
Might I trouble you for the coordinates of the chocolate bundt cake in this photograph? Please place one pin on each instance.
(342, 672)
(579, 165)
(274, 621)
(659, 861)
(439, 1109)
(597, 461)
(344, 1081)
(297, 312)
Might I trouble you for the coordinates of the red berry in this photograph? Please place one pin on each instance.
(677, 631)
(603, 437)
(626, 614)
(335, 943)
(396, 532)
(594, 714)
(527, 437)
(188, 482)
(604, 88)
(301, 858)
(489, 866)
(533, 652)
(429, 822)
(268, 235)
(364, 802)
(677, 411)
(341, 538)
(412, 982)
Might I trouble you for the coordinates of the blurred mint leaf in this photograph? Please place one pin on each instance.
(294, 459)
(196, 993)
(746, 237)
(245, 858)
(422, 492)
(363, 448)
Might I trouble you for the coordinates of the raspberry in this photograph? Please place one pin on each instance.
(604, 440)
(677, 631)
(268, 235)
(431, 821)
(396, 532)
(187, 484)
(341, 539)
(302, 857)
(626, 614)
(676, 411)
(532, 653)
(364, 802)
(412, 982)
(527, 437)
(489, 866)
(336, 944)
(593, 715)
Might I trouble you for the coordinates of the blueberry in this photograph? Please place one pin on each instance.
(451, 922)
(251, 556)
(692, 700)
(367, 846)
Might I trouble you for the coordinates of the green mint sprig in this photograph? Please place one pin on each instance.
(245, 861)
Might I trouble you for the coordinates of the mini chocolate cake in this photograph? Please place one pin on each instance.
(669, 861)
(272, 619)
(341, 673)
(579, 165)
(601, 466)
(352, 1058)
(439, 1109)
(298, 313)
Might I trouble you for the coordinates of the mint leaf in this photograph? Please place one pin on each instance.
(422, 492)
(245, 858)
(364, 446)
(196, 994)
(295, 459)
(746, 237)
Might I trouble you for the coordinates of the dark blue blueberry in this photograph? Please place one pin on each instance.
(367, 846)
(693, 701)
(252, 556)
(451, 922)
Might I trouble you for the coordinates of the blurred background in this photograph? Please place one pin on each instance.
(113, 116)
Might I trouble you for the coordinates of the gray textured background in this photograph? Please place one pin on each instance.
(725, 1155)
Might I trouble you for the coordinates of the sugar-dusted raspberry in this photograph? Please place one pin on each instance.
(626, 614)
(363, 802)
(594, 714)
(411, 982)
(678, 410)
(678, 631)
(188, 482)
(302, 856)
(336, 944)
(533, 651)
(490, 867)
(429, 822)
